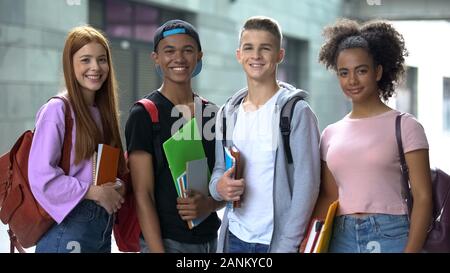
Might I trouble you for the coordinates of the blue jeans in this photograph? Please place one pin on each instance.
(377, 233)
(236, 245)
(87, 228)
(172, 246)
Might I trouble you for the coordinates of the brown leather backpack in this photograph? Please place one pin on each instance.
(27, 220)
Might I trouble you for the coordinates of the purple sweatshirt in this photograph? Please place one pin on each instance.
(57, 193)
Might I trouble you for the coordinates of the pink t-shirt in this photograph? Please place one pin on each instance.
(363, 157)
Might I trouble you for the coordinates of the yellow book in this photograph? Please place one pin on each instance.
(327, 229)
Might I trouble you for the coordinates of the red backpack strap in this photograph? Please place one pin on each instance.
(152, 110)
(14, 243)
(67, 143)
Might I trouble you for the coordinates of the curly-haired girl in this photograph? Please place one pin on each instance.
(360, 159)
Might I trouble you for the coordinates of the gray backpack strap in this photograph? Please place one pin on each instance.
(285, 124)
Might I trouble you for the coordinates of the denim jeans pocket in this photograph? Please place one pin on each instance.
(83, 212)
(392, 226)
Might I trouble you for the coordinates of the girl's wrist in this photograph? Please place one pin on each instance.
(92, 193)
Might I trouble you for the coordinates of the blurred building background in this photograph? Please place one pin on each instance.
(32, 35)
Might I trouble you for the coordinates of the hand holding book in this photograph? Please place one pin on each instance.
(193, 207)
(233, 160)
(106, 164)
(193, 186)
(230, 189)
(319, 232)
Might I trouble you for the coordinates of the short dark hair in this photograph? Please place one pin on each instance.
(263, 23)
(175, 27)
(384, 44)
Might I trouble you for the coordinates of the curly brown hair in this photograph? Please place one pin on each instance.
(379, 38)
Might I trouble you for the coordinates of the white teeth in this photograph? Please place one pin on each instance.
(179, 68)
(256, 65)
(91, 77)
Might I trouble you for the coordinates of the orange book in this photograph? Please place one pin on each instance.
(106, 164)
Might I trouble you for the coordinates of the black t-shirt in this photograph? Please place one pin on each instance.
(139, 136)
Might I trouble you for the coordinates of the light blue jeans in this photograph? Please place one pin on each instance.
(376, 233)
(87, 228)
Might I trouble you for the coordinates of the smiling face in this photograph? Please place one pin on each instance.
(358, 75)
(91, 67)
(259, 54)
(177, 55)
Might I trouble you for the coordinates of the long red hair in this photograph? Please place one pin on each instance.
(88, 136)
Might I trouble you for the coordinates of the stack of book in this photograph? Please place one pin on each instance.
(313, 236)
(319, 232)
(188, 163)
(194, 178)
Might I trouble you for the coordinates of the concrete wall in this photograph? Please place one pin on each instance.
(218, 23)
(398, 9)
(32, 35)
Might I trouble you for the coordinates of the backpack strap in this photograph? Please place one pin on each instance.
(67, 143)
(406, 193)
(285, 124)
(14, 243)
(152, 110)
(224, 128)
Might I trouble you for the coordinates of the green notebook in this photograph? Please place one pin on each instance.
(185, 145)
